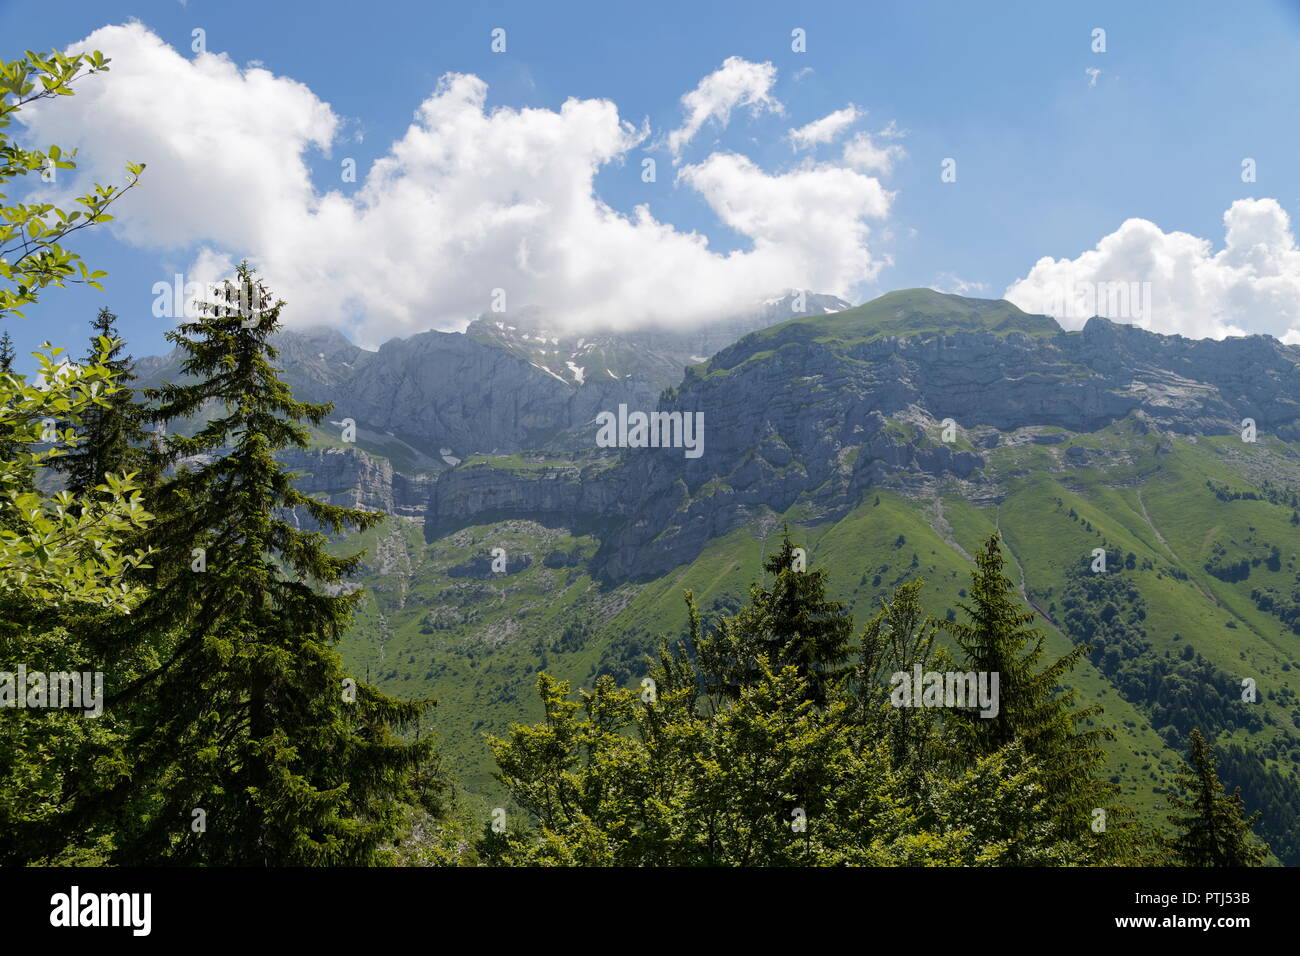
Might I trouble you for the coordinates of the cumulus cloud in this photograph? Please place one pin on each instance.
(468, 200)
(824, 130)
(1175, 283)
(866, 152)
(245, 132)
(738, 82)
(816, 213)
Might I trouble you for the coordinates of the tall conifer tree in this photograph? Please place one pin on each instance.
(1211, 827)
(1034, 708)
(254, 746)
(790, 623)
(110, 434)
(8, 446)
(6, 353)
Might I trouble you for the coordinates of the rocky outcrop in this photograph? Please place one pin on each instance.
(351, 478)
(814, 410)
(482, 567)
(1193, 386)
(445, 390)
(562, 559)
(577, 496)
(803, 414)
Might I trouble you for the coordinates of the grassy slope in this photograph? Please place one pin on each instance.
(923, 313)
(1129, 491)
(477, 645)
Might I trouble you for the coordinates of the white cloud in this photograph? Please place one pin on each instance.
(737, 82)
(1175, 283)
(863, 152)
(219, 142)
(467, 200)
(817, 214)
(951, 282)
(825, 129)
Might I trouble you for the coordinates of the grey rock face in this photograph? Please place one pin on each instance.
(789, 418)
(480, 568)
(656, 355)
(562, 559)
(814, 411)
(1193, 385)
(574, 495)
(351, 478)
(450, 390)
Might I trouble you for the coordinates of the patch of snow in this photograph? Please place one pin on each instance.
(577, 370)
(450, 460)
(549, 372)
(699, 358)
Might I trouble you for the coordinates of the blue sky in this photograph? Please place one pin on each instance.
(1050, 160)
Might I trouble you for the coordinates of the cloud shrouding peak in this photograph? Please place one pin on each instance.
(737, 82)
(467, 201)
(1175, 283)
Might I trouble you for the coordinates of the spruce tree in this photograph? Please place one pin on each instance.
(790, 623)
(8, 442)
(900, 636)
(1211, 827)
(110, 434)
(1033, 707)
(248, 715)
(10, 439)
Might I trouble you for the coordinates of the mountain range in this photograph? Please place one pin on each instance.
(890, 438)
